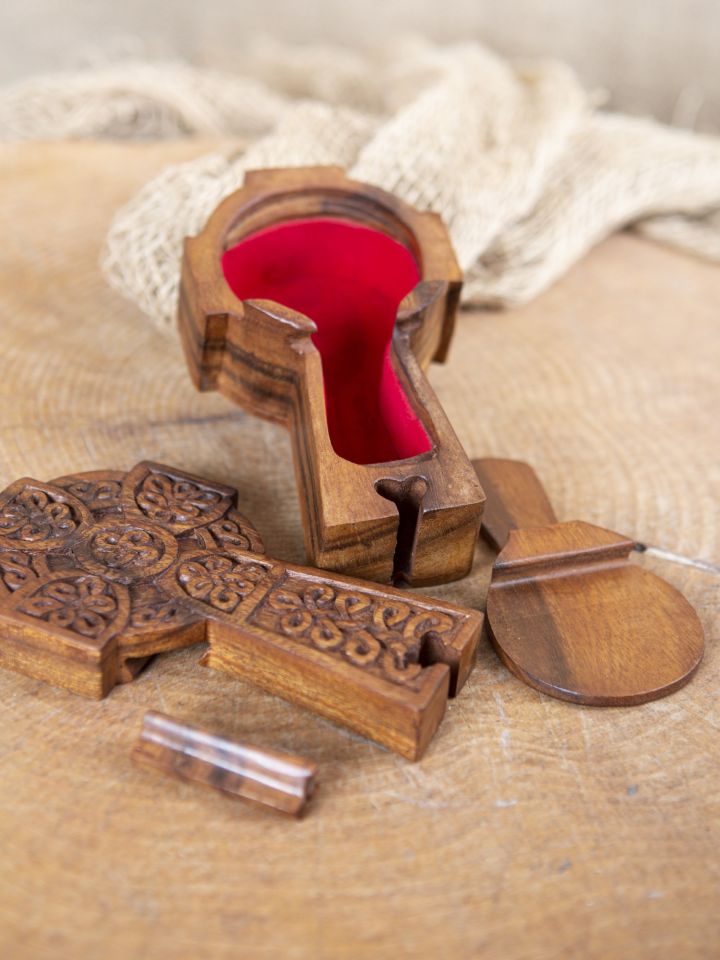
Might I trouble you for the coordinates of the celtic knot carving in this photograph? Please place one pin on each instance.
(128, 548)
(228, 533)
(95, 493)
(17, 568)
(220, 581)
(105, 556)
(160, 613)
(84, 604)
(369, 632)
(233, 531)
(34, 516)
(129, 565)
(61, 541)
(124, 551)
(166, 500)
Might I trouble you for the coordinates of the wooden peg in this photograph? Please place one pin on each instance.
(569, 613)
(279, 781)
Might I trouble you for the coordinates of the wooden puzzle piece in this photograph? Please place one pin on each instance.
(377, 660)
(100, 571)
(568, 612)
(81, 560)
(317, 302)
(278, 781)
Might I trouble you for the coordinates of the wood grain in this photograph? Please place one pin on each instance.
(82, 564)
(100, 571)
(515, 499)
(531, 829)
(373, 659)
(260, 354)
(278, 781)
(569, 613)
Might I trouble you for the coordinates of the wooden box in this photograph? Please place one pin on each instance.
(318, 302)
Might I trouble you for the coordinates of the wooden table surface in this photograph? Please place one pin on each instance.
(533, 828)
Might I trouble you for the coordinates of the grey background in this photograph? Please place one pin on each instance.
(659, 57)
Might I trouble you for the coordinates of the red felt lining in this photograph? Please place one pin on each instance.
(349, 279)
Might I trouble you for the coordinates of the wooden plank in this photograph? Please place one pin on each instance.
(531, 828)
(277, 781)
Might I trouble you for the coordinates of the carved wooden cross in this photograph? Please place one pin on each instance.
(99, 571)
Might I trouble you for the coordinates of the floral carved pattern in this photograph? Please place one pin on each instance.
(34, 516)
(95, 494)
(129, 548)
(220, 581)
(383, 634)
(158, 614)
(85, 604)
(88, 610)
(234, 531)
(98, 555)
(17, 568)
(126, 551)
(166, 500)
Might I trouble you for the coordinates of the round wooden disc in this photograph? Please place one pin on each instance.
(613, 636)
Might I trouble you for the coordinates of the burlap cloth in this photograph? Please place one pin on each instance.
(526, 171)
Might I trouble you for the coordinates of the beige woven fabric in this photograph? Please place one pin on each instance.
(526, 171)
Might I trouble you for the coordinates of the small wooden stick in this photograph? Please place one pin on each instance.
(277, 780)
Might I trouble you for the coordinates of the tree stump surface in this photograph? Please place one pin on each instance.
(532, 828)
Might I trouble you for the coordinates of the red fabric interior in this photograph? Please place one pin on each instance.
(349, 279)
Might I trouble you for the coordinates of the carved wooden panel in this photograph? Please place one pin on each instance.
(376, 659)
(100, 571)
(81, 557)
